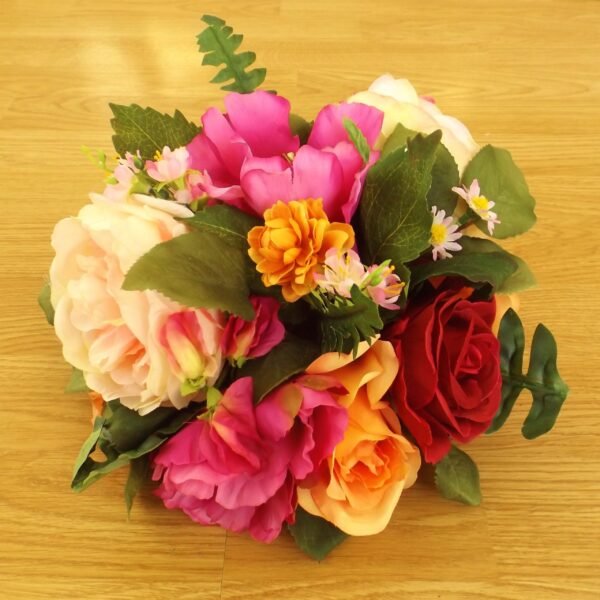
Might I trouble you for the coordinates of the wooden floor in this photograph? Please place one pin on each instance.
(524, 74)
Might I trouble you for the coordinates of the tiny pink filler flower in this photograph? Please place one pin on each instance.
(479, 204)
(344, 269)
(444, 234)
(170, 165)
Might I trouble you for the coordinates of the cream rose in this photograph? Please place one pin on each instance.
(400, 103)
(118, 338)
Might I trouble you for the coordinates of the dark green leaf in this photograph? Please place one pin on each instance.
(77, 383)
(457, 478)
(88, 445)
(502, 182)
(512, 347)
(347, 322)
(300, 127)
(444, 176)
(477, 262)
(287, 359)
(315, 536)
(117, 423)
(548, 389)
(397, 140)
(46, 304)
(395, 219)
(219, 44)
(139, 469)
(226, 221)
(358, 139)
(149, 131)
(199, 269)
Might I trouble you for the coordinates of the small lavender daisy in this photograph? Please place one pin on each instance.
(444, 233)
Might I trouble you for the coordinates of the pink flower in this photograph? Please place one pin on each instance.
(343, 270)
(191, 339)
(239, 468)
(250, 339)
(251, 160)
(170, 165)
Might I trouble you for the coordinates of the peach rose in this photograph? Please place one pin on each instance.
(361, 484)
(400, 103)
(112, 335)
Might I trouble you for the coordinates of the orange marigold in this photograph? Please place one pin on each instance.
(291, 246)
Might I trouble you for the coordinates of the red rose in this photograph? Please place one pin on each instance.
(449, 383)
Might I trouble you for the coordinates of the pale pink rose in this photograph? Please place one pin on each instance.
(113, 335)
(252, 339)
(400, 103)
(238, 467)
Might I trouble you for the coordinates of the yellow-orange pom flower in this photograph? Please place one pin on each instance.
(291, 246)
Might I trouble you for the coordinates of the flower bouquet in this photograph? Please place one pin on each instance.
(279, 320)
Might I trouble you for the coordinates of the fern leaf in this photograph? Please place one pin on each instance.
(218, 43)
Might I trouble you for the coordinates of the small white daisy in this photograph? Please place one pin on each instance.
(444, 233)
(479, 204)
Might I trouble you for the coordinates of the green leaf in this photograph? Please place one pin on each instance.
(477, 262)
(219, 45)
(457, 478)
(139, 469)
(548, 389)
(502, 182)
(225, 221)
(315, 536)
(346, 322)
(199, 269)
(395, 219)
(511, 336)
(397, 140)
(88, 445)
(116, 436)
(287, 359)
(300, 127)
(358, 139)
(149, 131)
(77, 384)
(233, 226)
(46, 304)
(444, 176)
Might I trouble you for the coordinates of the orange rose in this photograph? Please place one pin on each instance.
(360, 486)
(291, 246)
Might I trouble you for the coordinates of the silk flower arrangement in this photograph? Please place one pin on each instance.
(278, 321)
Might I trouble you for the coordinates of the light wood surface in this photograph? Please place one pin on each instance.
(523, 74)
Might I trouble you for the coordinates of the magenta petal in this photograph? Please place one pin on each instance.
(358, 182)
(329, 130)
(263, 120)
(276, 414)
(218, 149)
(265, 181)
(268, 519)
(318, 174)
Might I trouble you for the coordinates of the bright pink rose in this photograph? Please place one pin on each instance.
(251, 339)
(250, 159)
(239, 468)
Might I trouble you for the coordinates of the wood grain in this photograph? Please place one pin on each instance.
(524, 74)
